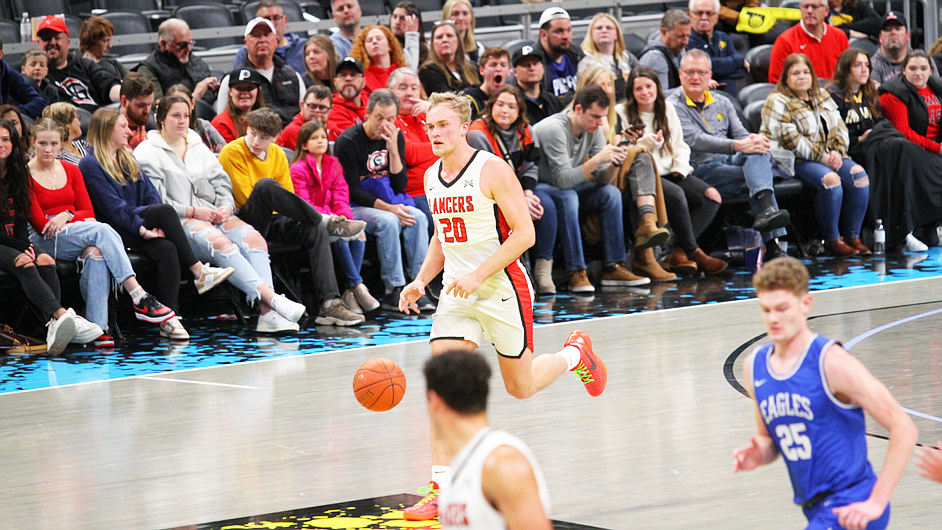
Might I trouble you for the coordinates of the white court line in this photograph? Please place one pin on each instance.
(197, 382)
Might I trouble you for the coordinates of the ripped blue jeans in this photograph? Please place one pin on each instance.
(840, 206)
(251, 265)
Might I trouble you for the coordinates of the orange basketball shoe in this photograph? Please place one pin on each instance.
(590, 370)
(427, 508)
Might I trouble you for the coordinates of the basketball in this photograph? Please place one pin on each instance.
(379, 384)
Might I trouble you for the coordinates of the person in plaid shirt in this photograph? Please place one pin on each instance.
(801, 117)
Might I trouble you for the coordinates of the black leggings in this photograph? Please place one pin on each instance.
(689, 210)
(167, 252)
(39, 282)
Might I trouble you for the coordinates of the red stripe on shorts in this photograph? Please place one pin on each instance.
(518, 278)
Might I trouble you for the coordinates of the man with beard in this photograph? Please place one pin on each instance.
(665, 49)
(528, 76)
(81, 82)
(282, 86)
(290, 45)
(887, 62)
(349, 109)
(560, 58)
(316, 106)
(346, 13)
(137, 100)
(495, 69)
(173, 63)
(406, 24)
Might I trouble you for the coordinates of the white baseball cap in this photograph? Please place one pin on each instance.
(255, 22)
(553, 13)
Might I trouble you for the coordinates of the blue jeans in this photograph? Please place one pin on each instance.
(350, 256)
(97, 271)
(251, 265)
(546, 226)
(387, 230)
(845, 203)
(741, 175)
(603, 199)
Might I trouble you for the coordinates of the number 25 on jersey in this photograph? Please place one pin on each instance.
(794, 443)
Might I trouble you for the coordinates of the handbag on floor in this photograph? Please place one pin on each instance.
(12, 342)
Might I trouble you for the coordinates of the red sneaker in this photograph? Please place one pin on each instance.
(590, 370)
(104, 341)
(427, 508)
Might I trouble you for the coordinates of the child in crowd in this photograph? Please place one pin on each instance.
(35, 68)
(318, 179)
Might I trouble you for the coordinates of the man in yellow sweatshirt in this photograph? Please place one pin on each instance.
(261, 186)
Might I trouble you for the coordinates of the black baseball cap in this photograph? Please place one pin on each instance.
(526, 51)
(245, 75)
(349, 62)
(894, 17)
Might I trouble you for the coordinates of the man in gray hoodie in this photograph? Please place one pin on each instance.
(725, 155)
(578, 166)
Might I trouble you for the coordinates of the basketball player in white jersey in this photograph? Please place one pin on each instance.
(482, 226)
(496, 482)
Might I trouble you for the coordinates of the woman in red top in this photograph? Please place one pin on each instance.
(404, 82)
(318, 179)
(245, 96)
(379, 51)
(64, 226)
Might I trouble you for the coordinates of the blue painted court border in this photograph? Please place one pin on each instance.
(218, 342)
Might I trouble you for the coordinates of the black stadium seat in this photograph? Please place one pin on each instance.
(513, 45)
(759, 59)
(10, 33)
(205, 110)
(755, 92)
(373, 8)
(74, 24)
(291, 10)
(41, 8)
(178, 3)
(129, 23)
(635, 43)
(753, 114)
(202, 16)
(866, 45)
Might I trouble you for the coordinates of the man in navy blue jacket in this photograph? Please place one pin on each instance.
(728, 64)
(13, 88)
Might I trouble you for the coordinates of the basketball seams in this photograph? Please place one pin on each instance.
(383, 376)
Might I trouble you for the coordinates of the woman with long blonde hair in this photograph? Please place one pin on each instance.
(462, 13)
(602, 78)
(124, 197)
(604, 46)
(65, 115)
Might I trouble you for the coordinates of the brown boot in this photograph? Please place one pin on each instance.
(648, 234)
(644, 264)
(858, 245)
(839, 248)
(707, 264)
(678, 263)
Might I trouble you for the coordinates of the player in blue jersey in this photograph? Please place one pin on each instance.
(810, 396)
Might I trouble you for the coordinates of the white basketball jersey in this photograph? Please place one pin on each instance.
(461, 503)
(470, 226)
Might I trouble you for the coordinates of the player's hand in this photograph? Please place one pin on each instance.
(465, 285)
(753, 455)
(407, 298)
(930, 461)
(856, 516)
(534, 205)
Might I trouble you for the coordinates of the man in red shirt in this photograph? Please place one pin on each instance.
(404, 82)
(137, 101)
(316, 106)
(821, 42)
(349, 108)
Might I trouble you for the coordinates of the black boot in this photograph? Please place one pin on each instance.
(770, 217)
(772, 250)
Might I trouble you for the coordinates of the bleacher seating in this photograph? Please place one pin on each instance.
(199, 16)
(129, 23)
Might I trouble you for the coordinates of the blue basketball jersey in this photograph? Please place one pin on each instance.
(822, 440)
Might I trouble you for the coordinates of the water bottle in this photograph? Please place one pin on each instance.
(879, 239)
(26, 28)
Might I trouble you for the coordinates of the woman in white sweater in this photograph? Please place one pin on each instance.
(691, 203)
(189, 178)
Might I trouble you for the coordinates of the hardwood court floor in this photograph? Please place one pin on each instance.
(216, 443)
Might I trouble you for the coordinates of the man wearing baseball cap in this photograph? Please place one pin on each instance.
(887, 62)
(349, 107)
(527, 63)
(560, 57)
(282, 86)
(85, 84)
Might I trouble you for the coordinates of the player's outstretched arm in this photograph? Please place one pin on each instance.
(761, 449)
(851, 382)
(433, 264)
(509, 484)
(930, 460)
(499, 182)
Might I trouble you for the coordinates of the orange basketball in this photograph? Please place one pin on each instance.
(379, 384)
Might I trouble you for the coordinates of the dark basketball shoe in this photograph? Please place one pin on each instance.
(427, 508)
(590, 370)
(150, 310)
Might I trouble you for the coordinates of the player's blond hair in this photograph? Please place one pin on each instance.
(784, 273)
(460, 105)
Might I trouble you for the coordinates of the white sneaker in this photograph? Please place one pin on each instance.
(350, 300)
(273, 322)
(914, 245)
(60, 333)
(211, 277)
(366, 301)
(173, 329)
(85, 331)
(289, 309)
